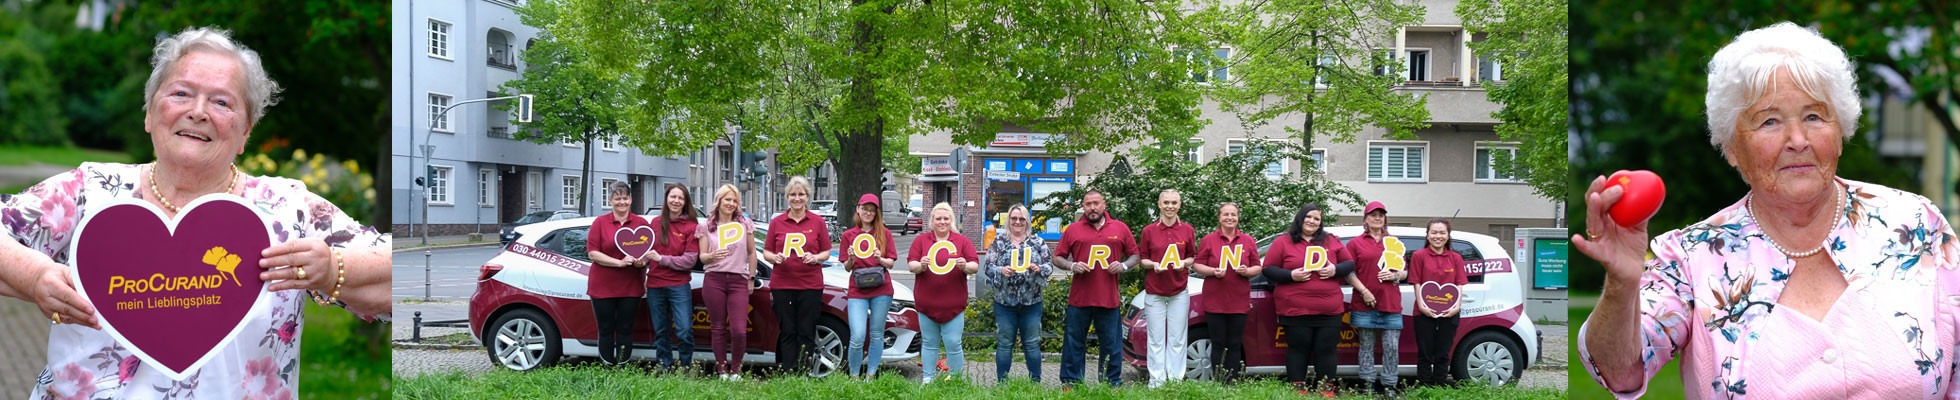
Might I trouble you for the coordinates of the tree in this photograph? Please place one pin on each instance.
(574, 102)
(852, 79)
(1319, 59)
(1528, 39)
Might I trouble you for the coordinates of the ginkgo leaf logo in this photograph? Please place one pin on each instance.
(1392, 250)
(226, 262)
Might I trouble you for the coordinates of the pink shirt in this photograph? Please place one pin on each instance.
(1709, 297)
(739, 255)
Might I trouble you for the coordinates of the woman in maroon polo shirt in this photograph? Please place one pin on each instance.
(725, 288)
(615, 281)
(1303, 265)
(1168, 248)
(1227, 259)
(675, 251)
(1378, 265)
(798, 245)
(1436, 329)
(941, 260)
(865, 307)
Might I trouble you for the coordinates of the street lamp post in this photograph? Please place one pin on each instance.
(523, 116)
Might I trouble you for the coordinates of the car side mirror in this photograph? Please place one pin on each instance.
(762, 271)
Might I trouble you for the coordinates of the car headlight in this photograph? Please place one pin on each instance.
(901, 305)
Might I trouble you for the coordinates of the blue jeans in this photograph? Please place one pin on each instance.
(867, 320)
(1075, 347)
(673, 315)
(1024, 322)
(950, 334)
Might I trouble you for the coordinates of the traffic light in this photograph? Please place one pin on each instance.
(884, 177)
(753, 162)
(524, 108)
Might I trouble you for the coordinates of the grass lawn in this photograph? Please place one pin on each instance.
(63, 156)
(1665, 385)
(342, 357)
(596, 382)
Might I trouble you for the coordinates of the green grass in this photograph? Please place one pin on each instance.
(342, 357)
(1665, 385)
(596, 382)
(63, 156)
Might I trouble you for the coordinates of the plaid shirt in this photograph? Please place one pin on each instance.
(1018, 288)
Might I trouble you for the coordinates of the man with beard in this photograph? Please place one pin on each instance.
(1091, 248)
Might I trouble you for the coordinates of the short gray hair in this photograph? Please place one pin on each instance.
(1740, 72)
(260, 90)
(618, 188)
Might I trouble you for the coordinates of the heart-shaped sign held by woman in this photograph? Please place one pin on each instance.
(1439, 297)
(1641, 195)
(173, 291)
(634, 242)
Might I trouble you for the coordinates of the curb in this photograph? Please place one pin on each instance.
(444, 247)
(406, 345)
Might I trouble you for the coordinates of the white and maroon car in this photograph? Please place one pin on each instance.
(1494, 342)
(530, 308)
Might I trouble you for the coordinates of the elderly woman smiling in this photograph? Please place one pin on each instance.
(203, 97)
(1809, 286)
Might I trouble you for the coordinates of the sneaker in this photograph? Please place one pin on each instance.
(1328, 390)
(735, 377)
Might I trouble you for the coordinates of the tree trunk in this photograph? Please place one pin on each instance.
(585, 176)
(861, 148)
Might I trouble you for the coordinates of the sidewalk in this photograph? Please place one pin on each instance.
(24, 349)
(442, 242)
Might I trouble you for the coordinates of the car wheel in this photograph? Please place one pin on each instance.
(1197, 355)
(830, 347)
(1489, 357)
(523, 340)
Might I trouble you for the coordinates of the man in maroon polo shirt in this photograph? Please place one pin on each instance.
(1095, 248)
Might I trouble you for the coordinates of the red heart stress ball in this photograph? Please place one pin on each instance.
(1641, 196)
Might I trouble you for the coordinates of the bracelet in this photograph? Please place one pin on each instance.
(340, 278)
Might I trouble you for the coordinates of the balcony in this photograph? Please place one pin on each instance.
(500, 132)
(500, 56)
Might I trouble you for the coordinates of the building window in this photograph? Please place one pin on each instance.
(1221, 74)
(437, 102)
(727, 162)
(608, 145)
(568, 142)
(1396, 162)
(1196, 153)
(439, 189)
(604, 189)
(1490, 161)
(1275, 170)
(569, 189)
(1418, 65)
(1383, 59)
(1489, 69)
(1319, 157)
(486, 189)
(438, 39)
(1327, 67)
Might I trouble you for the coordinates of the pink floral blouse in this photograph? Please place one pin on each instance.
(85, 363)
(1709, 297)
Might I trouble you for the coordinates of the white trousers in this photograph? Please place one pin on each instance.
(1167, 318)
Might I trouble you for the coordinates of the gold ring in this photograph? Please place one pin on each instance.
(301, 270)
(1592, 236)
(56, 317)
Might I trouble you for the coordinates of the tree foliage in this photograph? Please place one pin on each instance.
(574, 102)
(1528, 39)
(1318, 59)
(1266, 206)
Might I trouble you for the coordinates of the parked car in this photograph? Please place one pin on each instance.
(530, 309)
(914, 223)
(1494, 341)
(508, 233)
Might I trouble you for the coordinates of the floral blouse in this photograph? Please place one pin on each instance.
(85, 363)
(1018, 288)
(1709, 295)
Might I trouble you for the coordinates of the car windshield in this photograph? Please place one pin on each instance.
(823, 205)
(534, 217)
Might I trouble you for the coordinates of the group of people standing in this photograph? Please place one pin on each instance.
(1307, 266)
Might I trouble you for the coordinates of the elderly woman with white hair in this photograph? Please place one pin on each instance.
(204, 95)
(1811, 285)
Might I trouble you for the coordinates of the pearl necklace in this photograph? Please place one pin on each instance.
(1836, 216)
(166, 201)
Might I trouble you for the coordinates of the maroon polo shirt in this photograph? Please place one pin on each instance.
(852, 262)
(1316, 295)
(1158, 240)
(678, 240)
(1367, 252)
(1230, 294)
(608, 282)
(941, 296)
(813, 237)
(1080, 243)
(1447, 267)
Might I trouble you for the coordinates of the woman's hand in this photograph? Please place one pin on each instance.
(1004, 271)
(52, 291)
(1367, 297)
(716, 255)
(1300, 275)
(310, 255)
(772, 258)
(1385, 276)
(1620, 249)
(1327, 271)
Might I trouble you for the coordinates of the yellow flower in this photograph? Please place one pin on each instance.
(299, 154)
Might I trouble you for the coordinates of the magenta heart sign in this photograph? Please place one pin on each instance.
(173, 291)
(634, 241)
(1439, 297)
